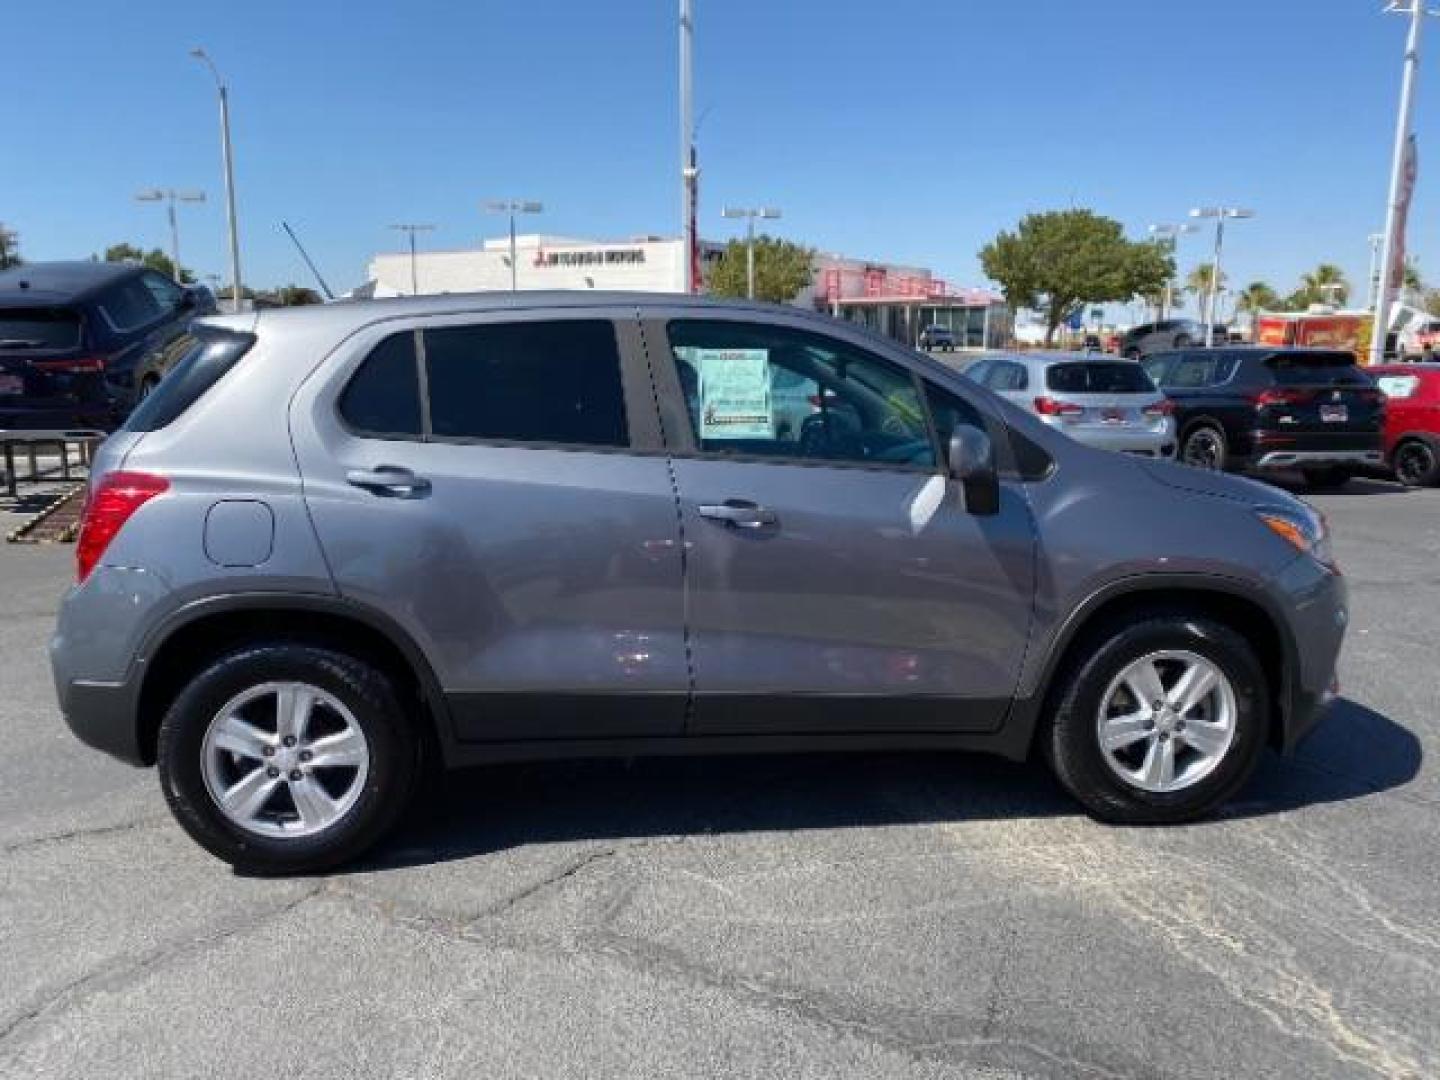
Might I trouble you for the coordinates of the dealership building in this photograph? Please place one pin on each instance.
(896, 300)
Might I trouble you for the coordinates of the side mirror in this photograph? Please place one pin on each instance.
(972, 463)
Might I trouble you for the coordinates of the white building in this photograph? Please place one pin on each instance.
(896, 300)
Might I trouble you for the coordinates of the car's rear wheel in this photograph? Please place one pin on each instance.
(1160, 720)
(286, 757)
(1204, 447)
(1329, 478)
(1417, 463)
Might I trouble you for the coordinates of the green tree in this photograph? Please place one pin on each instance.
(295, 296)
(155, 259)
(1257, 297)
(1326, 283)
(1199, 282)
(782, 269)
(9, 247)
(1410, 279)
(1059, 261)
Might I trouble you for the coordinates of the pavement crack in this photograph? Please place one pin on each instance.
(558, 877)
(125, 971)
(79, 834)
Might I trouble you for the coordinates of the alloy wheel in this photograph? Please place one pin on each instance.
(285, 760)
(1203, 449)
(1167, 721)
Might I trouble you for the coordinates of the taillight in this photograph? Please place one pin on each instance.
(1280, 397)
(1164, 407)
(1046, 406)
(107, 507)
(84, 365)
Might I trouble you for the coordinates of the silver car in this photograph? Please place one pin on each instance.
(340, 543)
(1104, 403)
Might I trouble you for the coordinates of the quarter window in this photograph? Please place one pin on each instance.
(770, 391)
(383, 396)
(166, 293)
(130, 305)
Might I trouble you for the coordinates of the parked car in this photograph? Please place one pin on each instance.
(1108, 404)
(1261, 407)
(80, 342)
(340, 542)
(1148, 338)
(937, 339)
(1412, 420)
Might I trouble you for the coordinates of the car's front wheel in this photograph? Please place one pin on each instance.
(1159, 720)
(1204, 447)
(286, 757)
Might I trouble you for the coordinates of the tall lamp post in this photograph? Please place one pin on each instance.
(1372, 282)
(414, 274)
(749, 214)
(171, 196)
(513, 207)
(1169, 235)
(1221, 214)
(229, 161)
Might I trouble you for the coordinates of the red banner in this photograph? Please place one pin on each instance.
(1408, 172)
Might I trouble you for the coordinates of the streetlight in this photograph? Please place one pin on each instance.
(513, 207)
(750, 215)
(1221, 214)
(204, 57)
(412, 230)
(172, 196)
(1170, 236)
(1372, 283)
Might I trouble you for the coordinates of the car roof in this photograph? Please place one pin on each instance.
(62, 282)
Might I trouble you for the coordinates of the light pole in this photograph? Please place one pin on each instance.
(513, 207)
(1372, 282)
(1221, 214)
(412, 230)
(1397, 204)
(1169, 235)
(229, 160)
(171, 196)
(749, 214)
(689, 167)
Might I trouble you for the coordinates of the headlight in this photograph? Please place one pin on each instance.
(1304, 529)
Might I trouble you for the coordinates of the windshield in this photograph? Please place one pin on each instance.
(1099, 378)
(39, 328)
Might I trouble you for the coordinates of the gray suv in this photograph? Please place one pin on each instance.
(341, 544)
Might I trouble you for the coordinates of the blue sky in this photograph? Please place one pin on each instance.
(908, 131)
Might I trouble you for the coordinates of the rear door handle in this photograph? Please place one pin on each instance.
(739, 513)
(393, 481)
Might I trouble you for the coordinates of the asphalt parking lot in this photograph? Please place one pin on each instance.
(781, 917)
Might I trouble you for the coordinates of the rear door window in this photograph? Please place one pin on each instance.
(210, 358)
(39, 328)
(1197, 370)
(1098, 378)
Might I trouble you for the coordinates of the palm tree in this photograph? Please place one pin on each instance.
(1257, 297)
(1326, 283)
(1199, 282)
(9, 247)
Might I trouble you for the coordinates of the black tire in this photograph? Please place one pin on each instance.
(1182, 341)
(1204, 447)
(1330, 478)
(1071, 744)
(1416, 462)
(365, 691)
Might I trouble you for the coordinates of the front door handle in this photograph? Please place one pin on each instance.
(739, 513)
(393, 481)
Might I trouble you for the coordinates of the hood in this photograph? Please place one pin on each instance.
(1217, 484)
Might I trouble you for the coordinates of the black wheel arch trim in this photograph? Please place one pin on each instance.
(1034, 694)
(319, 603)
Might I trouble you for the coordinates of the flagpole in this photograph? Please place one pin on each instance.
(1402, 162)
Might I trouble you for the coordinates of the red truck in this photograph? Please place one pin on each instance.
(1412, 420)
(1340, 330)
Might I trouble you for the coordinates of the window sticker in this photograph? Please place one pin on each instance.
(1397, 386)
(735, 394)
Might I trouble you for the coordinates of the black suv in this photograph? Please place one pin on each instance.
(1269, 408)
(81, 342)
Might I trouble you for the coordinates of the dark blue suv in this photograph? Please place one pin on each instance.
(81, 342)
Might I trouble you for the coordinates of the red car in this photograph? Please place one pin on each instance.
(1412, 420)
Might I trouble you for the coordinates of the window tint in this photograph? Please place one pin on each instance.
(130, 305)
(166, 293)
(1398, 386)
(553, 382)
(1008, 375)
(1116, 378)
(1198, 369)
(1316, 369)
(39, 328)
(212, 354)
(775, 392)
(383, 396)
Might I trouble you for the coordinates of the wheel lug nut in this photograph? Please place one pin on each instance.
(305, 755)
(1157, 705)
(272, 772)
(269, 751)
(296, 774)
(289, 740)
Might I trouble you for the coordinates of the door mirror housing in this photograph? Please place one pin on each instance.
(971, 460)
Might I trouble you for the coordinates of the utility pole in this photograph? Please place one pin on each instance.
(229, 162)
(414, 274)
(1221, 214)
(513, 207)
(1397, 205)
(1372, 282)
(750, 215)
(171, 196)
(689, 168)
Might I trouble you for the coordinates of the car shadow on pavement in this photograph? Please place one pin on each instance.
(1358, 487)
(1354, 752)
